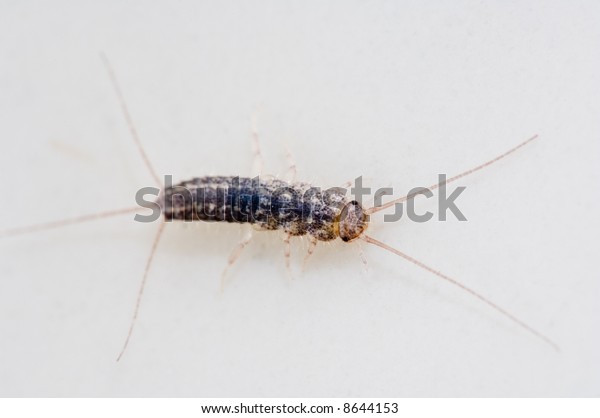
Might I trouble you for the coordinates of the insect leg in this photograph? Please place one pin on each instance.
(346, 184)
(287, 252)
(258, 164)
(290, 175)
(362, 256)
(235, 255)
(349, 183)
(312, 244)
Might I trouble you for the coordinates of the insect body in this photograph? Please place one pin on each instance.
(296, 208)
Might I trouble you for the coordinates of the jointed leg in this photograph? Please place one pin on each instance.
(362, 257)
(287, 253)
(312, 244)
(290, 175)
(257, 166)
(235, 255)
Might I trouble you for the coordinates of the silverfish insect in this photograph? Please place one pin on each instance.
(269, 204)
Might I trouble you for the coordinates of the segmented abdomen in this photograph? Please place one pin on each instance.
(297, 208)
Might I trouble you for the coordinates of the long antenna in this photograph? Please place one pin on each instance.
(65, 222)
(376, 209)
(463, 287)
(128, 119)
(141, 291)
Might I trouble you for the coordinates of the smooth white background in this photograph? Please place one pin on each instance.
(394, 91)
